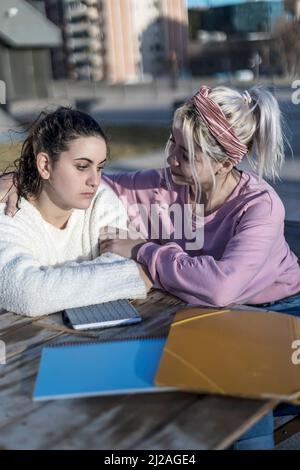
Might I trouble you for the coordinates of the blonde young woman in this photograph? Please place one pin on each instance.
(245, 257)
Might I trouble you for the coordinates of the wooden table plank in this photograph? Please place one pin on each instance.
(25, 339)
(96, 423)
(159, 420)
(7, 320)
(211, 423)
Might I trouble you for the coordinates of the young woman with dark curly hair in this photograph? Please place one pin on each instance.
(49, 252)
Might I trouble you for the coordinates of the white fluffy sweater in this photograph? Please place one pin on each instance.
(45, 269)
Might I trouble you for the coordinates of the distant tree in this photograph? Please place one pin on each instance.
(286, 44)
(194, 22)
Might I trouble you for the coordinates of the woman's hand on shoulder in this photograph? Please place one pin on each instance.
(8, 194)
(121, 242)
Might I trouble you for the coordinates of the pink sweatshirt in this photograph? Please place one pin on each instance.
(244, 258)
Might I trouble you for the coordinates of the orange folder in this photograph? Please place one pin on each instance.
(253, 354)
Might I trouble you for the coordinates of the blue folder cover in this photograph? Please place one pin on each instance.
(90, 369)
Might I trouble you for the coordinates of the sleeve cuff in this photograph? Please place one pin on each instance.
(145, 253)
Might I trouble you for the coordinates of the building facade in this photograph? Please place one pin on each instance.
(25, 65)
(293, 7)
(119, 40)
(235, 38)
(248, 17)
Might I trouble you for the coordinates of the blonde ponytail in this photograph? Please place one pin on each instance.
(267, 150)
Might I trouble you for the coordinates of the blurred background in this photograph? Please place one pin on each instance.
(130, 63)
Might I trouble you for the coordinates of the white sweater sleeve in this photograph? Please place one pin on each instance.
(27, 288)
(106, 211)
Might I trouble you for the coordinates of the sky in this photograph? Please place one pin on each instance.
(192, 3)
(196, 3)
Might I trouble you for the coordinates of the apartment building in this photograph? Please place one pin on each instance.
(119, 40)
(25, 65)
(141, 37)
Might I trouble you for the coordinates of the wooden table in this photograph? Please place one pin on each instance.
(151, 421)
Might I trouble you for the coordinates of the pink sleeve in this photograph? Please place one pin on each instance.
(235, 277)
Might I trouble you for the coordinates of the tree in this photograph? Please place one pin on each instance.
(286, 44)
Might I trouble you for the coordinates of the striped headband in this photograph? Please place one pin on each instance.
(218, 125)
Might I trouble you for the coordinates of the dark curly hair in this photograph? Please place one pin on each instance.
(50, 133)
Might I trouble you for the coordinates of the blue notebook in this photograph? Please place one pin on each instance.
(91, 369)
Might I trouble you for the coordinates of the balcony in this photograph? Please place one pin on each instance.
(76, 12)
(91, 2)
(91, 30)
(76, 57)
(96, 60)
(72, 28)
(90, 43)
(92, 13)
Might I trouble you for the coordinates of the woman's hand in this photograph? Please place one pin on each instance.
(121, 242)
(8, 194)
(124, 243)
